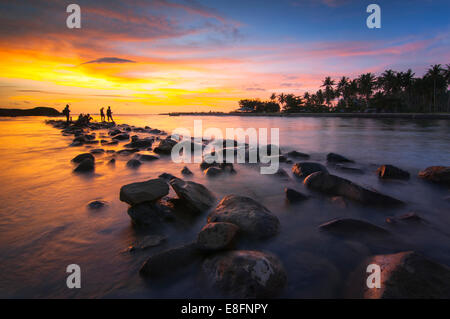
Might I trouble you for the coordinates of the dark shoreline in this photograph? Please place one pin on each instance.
(413, 116)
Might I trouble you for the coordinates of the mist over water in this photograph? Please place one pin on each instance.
(45, 224)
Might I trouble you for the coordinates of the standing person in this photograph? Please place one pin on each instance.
(66, 112)
(102, 114)
(109, 114)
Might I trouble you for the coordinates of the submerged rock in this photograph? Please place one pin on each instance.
(336, 158)
(252, 218)
(86, 165)
(405, 275)
(165, 146)
(137, 193)
(186, 171)
(112, 161)
(122, 137)
(196, 197)
(213, 171)
(147, 158)
(96, 204)
(216, 236)
(134, 163)
(390, 171)
(408, 217)
(281, 173)
(147, 242)
(81, 157)
(304, 169)
(296, 154)
(140, 143)
(166, 262)
(436, 174)
(97, 151)
(245, 274)
(293, 196)
(166, 176)
(348, 226)
(150, 213)
(338, 186)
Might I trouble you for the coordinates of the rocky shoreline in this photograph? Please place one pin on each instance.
(238, 273)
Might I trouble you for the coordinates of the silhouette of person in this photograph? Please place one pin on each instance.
(109, 114)
(102, 114)
(66, 112)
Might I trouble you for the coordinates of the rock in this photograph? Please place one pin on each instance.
(227, 167)
(436, 174)
(167, 177)
(140, 143)
(128, 151)
(114, 132)
(147, 158)
(150, 213)
(216, 236)
(147, 242)
(196, 197)
(338, 186)
(336, 158)
(137, 193)
(81, 157)
(86, 165)
(348, 226)
(112, 161)
(96, 204)
(213, 171)
(245, 274)
(281, 173)
(389, 171)
(134, 163)
(293, 196)
(169, 261)
(186, 171)
(204, 165)
(165, 146)
(404, 275)
(295, 154)
(97, 151)
(408, 217)
(304, 169)
(122, 137)
(348, 169)
(252, 218)
(339, 201)
(267, 149)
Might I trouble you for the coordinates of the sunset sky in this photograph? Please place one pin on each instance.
(200, 55)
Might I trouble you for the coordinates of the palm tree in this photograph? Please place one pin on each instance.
(273, 97)
(388, 82)
(406, 82)
(281, 99)
(366, 84)
(343, 89)
(329, 92)
(434, 73)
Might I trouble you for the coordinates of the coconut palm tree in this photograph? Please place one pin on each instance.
(273, 97)
(366, 84)
(343, 89)
(282, 99)
(434, 73)
(329, 92)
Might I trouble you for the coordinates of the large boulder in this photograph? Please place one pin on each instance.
(196, 197)
(169, 261)
(87, 165)
(245, 274)
(79, 158)
(165, 146)
(304, 169)
(437, 174)
(150, 213)
(404, 275)
(252, 218)
(137, 193)
(392, 172)
(336, 158)
(338, 186)
(216, 236)
(294, 196)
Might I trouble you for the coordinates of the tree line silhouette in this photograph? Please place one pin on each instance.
(392, 91)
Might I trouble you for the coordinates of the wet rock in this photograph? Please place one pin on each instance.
(137, 193)
(82, 157)
(122, 137)
(97, 151)
(252, 218)
(112, 161)
(336, 158)
(147, 157)
(408, 217)
(205, 165)
(112, 143)
(134, 163)
(281, 173)
(295, 154)
(338, 186)
(169, 261)
(213, 171)
(86, 165)
(150, 213)
(128, 151)
(436, 174)
(349, 169)
(165, 146)
(96, 204)
(114, 132)
(348, 226)
(216, 236)
(227, 167)
(196, 197)
(293, 196)
(304, 169)
(166, 176)
(186, 171)
(391, 172)
(245, 274)
(339, 201)
(404, 275)
(140, 143)
(147, 242)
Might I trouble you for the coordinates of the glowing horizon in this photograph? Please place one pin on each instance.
(145, 57)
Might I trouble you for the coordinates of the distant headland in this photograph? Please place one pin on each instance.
(37, 111)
